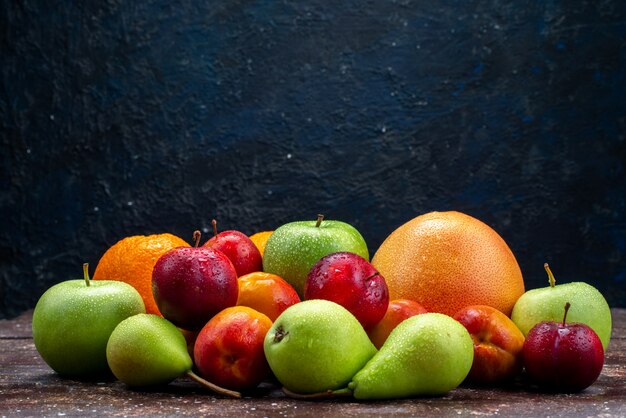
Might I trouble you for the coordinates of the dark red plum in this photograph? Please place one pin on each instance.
(351, 281)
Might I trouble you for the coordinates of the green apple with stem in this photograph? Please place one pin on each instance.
(546, 304)
(73, 320)
(295, 247)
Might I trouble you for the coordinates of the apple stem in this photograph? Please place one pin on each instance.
(319, 395)
(320, 218)
(214, 223)
(372, 276)
(567, 306)
(196, 237)
(212, 386)
(550, 275)
(86, 273)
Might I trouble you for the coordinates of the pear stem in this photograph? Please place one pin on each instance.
(214, 223)
(319, 395)
(550, 275)
(86, 273)
(212, 386)
(320, 218)
(196, 237)
(567, 306)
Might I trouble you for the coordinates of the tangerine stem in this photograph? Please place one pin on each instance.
(214, 223)
(196, 237)
(320, 218)
(567, 306)
(86, 273)
(550, 275)
(212, 386)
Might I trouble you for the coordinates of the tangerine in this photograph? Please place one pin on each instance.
(267, 293)
(132, 259)
(447, 261)
(260, 239)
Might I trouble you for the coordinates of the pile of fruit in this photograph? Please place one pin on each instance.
(442, 302)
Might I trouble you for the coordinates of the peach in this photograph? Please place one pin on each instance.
(229, 349)
(498, 344)
(397, 311)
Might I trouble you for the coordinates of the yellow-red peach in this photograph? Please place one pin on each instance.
(229, 348)
(498, 344)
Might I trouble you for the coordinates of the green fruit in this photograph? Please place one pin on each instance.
(147, 350)
(295, 247)
(427, 354)
(73, 320)
(315, 346)
(588, 306)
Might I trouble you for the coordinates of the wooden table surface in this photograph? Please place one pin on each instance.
(28, 387)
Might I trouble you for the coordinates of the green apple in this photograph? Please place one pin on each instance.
(588, 306)
(295, 247)
(73, 320)
(316, 346)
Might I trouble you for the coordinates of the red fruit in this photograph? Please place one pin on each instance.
(351, 281)
(229, 349)
(190, 285)
(397, 311)
(497, 344)
(563, 357)
(239, 248)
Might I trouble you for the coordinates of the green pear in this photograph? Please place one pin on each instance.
(427, 354)
(147, 350)
(315, 346)
(588, 306)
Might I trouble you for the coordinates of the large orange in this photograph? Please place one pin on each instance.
(449, 260)
(132, 259)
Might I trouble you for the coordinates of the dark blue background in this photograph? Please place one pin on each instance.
(121, 118)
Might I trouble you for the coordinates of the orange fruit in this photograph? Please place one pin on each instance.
(260, 239)
(397, 311)
(267, 293)
(132, 259)
(447, 261)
